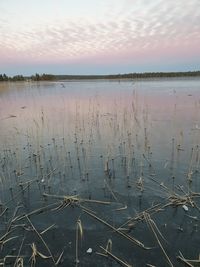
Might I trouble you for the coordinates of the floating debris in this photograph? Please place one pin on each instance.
(89, 250)
(185, 208)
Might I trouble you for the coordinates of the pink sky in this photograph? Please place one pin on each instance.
(105, 36)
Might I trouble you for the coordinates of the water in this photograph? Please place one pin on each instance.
(134, 144)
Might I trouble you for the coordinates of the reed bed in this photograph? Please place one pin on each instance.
(87, 172)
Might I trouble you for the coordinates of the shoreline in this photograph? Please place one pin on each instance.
(126, 76)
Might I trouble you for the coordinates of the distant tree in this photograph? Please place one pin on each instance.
(5, 77)
(43, 77)
(37, 77)
(47, 77)
(18, 78)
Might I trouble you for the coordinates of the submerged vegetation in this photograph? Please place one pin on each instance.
(51, 77)
(94, 178)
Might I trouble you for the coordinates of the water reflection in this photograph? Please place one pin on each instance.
(132, 144)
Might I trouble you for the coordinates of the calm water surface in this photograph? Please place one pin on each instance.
(134, 144)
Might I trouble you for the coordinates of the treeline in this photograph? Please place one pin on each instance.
(36, 77)
(43, 77)
(5, 78)
(51, 77)
(157, 75)
(131, 75)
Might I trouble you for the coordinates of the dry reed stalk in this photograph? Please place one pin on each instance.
(79, 231)
(187, 262)
(140, 216)
(111, 191)
(122, 208)
(109, 245)
(59, 258)
(37, 211)
(113, 169)
(151, 225)
(118, 260)
(64, 204)
(164, 187)
(75, 199)
(9, 230)
(17, 261)
(4, 211)
(41, 238)
(13, 218)
(177, 200)
(36, 253)
(128, 237)
(147, 160)
(22, 190)
(190, 169)
(20, 261)
(3, 239)
(172, 158)
(47, 229)
(197, 160)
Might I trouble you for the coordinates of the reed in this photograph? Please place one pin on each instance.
(79, 235)
(54, 162)
(108, 253)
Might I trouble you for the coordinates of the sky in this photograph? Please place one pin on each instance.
(99, 36)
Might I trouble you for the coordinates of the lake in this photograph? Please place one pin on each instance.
(100, 173)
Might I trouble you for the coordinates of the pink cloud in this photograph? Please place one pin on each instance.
(142, 33)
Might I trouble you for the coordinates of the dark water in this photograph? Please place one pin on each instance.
(120, 148)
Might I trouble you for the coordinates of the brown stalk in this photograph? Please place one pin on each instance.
(39, 235)
(118, 260)
(151, 225)
(76, 199)
(130, 238)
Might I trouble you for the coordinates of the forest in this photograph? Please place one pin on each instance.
(51, 77)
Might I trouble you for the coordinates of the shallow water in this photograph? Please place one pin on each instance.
(133, 144)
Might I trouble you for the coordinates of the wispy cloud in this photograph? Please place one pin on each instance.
(123, 31)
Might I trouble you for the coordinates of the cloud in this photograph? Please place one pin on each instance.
(129, 30)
